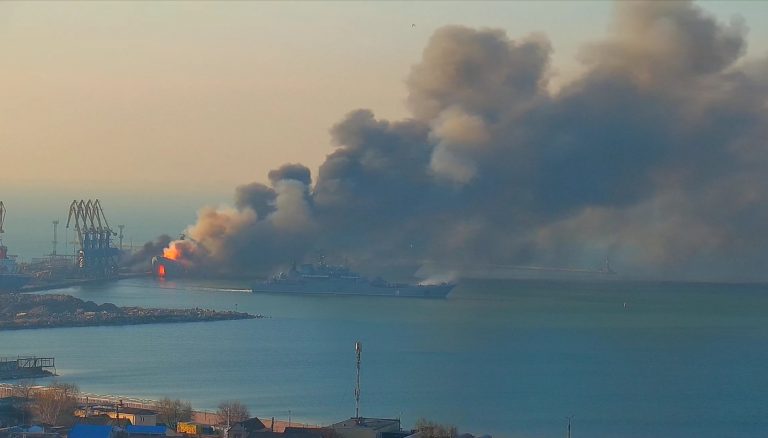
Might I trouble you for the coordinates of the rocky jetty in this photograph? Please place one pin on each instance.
(23, 311)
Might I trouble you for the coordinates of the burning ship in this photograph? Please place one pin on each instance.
(10, 278)
(321, 278)
(169, 264)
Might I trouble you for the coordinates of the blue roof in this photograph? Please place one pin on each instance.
(146, 430)
(90, 431)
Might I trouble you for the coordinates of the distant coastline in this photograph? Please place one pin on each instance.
(31, 311)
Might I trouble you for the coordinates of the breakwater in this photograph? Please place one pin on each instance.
(28, 311)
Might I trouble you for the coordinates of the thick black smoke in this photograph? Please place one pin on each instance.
(140, 261)
(655, 156)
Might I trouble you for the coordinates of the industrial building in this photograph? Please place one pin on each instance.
(367, 428)
(245, 429)
(136, 416)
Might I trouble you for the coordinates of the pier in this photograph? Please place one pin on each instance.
(26, 367)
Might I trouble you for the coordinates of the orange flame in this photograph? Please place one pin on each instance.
(172, 252)
(161, 271)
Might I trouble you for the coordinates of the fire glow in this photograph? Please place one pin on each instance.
(161, 271)
(172, 252)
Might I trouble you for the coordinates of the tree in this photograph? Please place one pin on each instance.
(431, 429)
(24, 390)
(56, 402)
(231, 412)
(172, 412)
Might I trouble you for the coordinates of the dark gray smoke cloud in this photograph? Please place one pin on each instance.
(655, 156)
(297, 172)
(140, 261)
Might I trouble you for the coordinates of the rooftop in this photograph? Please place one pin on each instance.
(253, 424)
(370, 423)
(146, 430)
(124, 410)
(90, 431)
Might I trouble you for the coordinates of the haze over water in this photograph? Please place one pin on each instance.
(511, 358)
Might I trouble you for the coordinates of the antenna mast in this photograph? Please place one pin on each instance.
(358, 352)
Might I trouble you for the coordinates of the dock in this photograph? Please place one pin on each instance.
(26, 367)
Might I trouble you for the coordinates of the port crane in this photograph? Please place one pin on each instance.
(96, 257)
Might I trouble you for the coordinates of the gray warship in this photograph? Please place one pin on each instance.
(325, 279)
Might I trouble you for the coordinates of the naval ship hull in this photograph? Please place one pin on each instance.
(336, 287)
(13, 282)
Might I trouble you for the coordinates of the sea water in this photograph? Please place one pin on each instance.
(508, 358)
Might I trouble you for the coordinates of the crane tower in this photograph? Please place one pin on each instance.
(96, 256)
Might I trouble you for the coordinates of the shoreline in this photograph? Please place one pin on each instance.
(121, 323)
(62, 284)
(39, 311)
(26, 375)
(198, 415)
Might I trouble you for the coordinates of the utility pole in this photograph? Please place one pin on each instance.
(117, 412)
(55, 236)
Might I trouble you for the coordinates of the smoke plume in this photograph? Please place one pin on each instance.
(140, 261)
(655, 156)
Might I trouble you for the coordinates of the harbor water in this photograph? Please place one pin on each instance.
(508, 358)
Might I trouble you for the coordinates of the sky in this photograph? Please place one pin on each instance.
(127, 96)
(159, 108)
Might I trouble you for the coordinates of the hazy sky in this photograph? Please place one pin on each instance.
(129, 95)
(186, 100)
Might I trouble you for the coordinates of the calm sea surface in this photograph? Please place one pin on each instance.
(510, 358)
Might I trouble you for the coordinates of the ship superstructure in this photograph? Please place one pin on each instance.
(322, 278)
